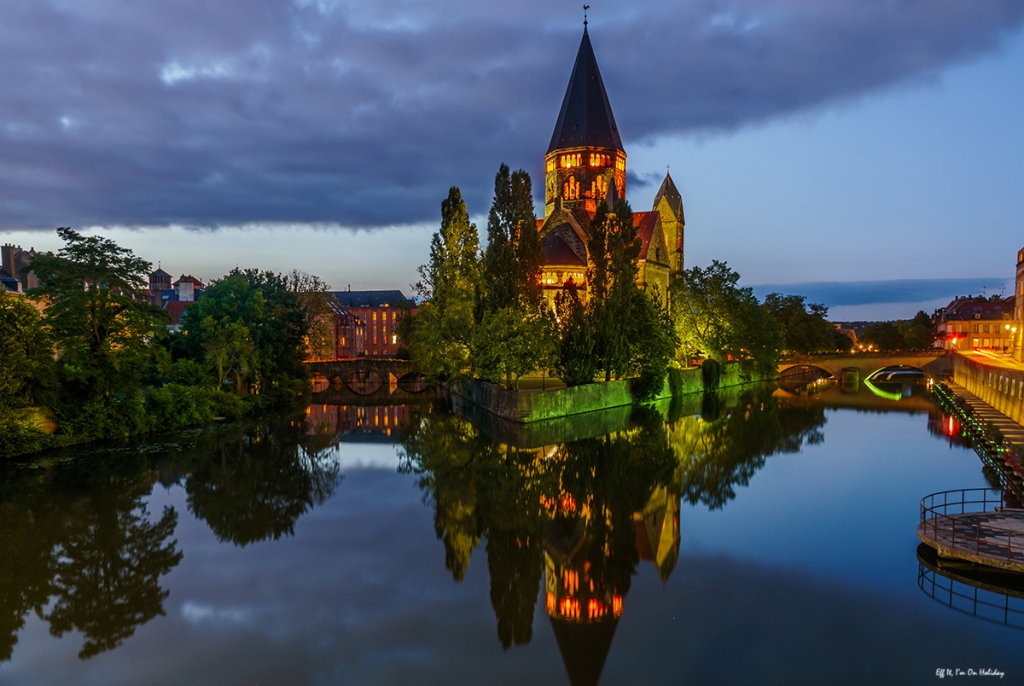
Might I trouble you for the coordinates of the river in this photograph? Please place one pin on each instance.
(761, 535)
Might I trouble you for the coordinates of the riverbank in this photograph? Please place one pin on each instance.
(170, 407)
(526, 407)
(982, 434)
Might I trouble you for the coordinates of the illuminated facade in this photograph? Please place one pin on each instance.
(976, 322)
(378, 313)
(585, 165)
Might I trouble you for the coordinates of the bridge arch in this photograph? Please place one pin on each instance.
(412, 382)
(363, 381)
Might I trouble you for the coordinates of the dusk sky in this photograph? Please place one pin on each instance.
(813, 142)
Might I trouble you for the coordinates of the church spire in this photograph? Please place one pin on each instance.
(586, 118)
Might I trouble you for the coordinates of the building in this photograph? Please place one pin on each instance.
(14, 274)
(976, 322)
(1018, 309)
(585, 165)
(159, 287)
(188, 288)
(376, 315)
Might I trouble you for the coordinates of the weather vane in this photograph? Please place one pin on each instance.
(585, 8)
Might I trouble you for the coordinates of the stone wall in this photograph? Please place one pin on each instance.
(1001, 388)
(535, 406)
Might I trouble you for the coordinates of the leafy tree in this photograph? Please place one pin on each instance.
(101, 324)
(26, 355)
(917, 334)
(884, 336)
(441, 336)
(715, 317)
(250, 327)
(614, 248)
(513, 258)
(315, 301)
(805, 326)
(576, 361)
(511, 343)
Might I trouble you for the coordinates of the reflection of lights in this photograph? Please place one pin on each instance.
(596, 609)
(571, 581)
(570, 608)
(888, 395)
(551, 603)
(616, 605)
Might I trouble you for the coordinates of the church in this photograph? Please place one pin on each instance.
(586, 164)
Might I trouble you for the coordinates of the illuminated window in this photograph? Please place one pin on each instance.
(374, 316)
(571, 189)
(394, 339)
(551, 166)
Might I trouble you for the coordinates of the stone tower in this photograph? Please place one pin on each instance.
(585, 161)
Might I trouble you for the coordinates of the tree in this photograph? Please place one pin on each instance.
(441, 335)
(614, 248)
(884, 336)
(576, 362)
(315, 301)
(26, 355)
(716, 318)
(805, 326)
(251, 325)
(101, 324)
(513, 258)
(511, 343)
(917, 334)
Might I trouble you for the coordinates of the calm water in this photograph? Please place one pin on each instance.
(757, 537)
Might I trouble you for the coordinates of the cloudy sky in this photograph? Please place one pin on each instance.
(854, 140)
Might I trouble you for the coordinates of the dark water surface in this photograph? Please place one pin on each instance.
(760, 536)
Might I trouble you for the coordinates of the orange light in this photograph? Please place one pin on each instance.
(551, 603)
(616, 605)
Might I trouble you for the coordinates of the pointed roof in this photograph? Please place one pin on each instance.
(584, 647)
(669, 192)
(586, 117)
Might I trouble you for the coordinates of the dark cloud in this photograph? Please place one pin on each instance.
(157, 111)
(841, 293)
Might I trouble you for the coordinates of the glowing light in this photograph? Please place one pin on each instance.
(616, 605)
(551, 603)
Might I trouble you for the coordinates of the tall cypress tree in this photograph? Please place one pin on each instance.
(614, 248)
(441, 339)
(513, 257)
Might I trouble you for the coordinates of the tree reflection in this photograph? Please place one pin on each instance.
(718, 452)
(583, 515)
(89, 552)
(107, 579)
(255, 487)
(79, 547)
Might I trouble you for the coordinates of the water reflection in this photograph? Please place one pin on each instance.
(983, 592)
(81, 550)
(585, 513)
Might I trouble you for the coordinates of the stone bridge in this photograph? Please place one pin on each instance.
(935, 364)
(367, 376)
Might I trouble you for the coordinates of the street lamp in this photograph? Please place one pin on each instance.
(1013, 337)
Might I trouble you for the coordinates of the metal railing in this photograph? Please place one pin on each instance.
(964, 597)
(939, 519)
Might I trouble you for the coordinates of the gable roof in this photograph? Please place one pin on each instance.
(371, 298)
(669, 192)
(557, 252)
(586, 117)
(645, 223)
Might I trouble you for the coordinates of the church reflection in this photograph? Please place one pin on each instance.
(584, 515)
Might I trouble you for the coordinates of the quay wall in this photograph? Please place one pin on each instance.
(1001, 388)
(534, 406)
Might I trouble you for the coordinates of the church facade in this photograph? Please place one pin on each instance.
(585, 165)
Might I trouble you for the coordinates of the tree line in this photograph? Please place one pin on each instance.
(99, 362)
